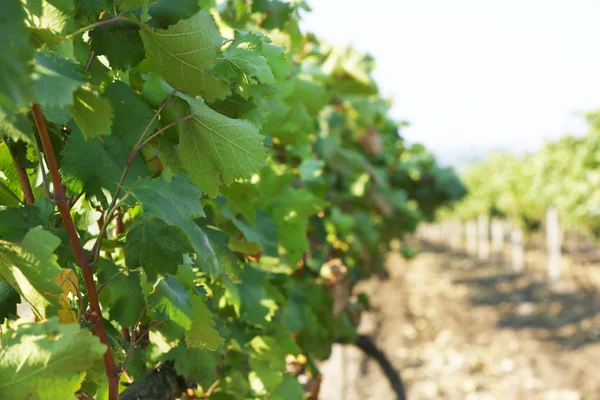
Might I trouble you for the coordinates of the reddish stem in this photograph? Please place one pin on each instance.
(23, 177)
(112, 372)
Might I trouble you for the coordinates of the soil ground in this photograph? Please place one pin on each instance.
(459, 329)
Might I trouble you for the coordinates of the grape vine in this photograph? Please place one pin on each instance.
(189, 191)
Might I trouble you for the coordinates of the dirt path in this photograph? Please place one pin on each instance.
(458, 330)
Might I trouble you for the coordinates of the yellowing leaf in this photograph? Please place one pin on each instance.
(68, 283)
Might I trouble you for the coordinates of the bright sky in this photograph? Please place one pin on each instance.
(475, 74)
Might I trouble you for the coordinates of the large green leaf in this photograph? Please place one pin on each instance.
(243, 63)
(56, 79)
(123, 293)
(9, 298)
(91, 166)
(92, 114)
(177, 203)
(46, 360)
(156, 246)
(131, 114)
(184, 53)
(120, 42)
(16, 59)
(257, 306)
(215, 148)
(31, 268)
(170, 301)
(202, 333)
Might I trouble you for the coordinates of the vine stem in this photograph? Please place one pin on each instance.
(22, 175)
(112, 372)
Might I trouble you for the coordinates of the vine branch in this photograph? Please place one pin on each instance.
(62, 202)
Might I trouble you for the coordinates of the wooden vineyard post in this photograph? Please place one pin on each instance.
(497, 240)
(517, 255)
(471, 237)
(553, 243)
(483, 244)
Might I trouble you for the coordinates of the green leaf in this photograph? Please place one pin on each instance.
(156, 246)
(170, 301)
(198, 365)
(169, 12)
(46, 360)
(90, 166)
(120, 42)
(92, 114)
(289, 389)
(291, 210)
(278, 13)
(16, 222)
(263, 232)
(241, 197)
(202, 333)
(56, 79)
(123, 293)
(243, 63)
(31, 268)
(215, 148)
(177, 203)
(184, 53)
(9, 298)
(257, 306)
(275, 55)
(16, 59)
(131, 113)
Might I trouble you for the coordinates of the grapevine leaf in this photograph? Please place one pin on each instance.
(291, 211)
(9, 298)
(174, 202)
(46, 360)
(120, 42)
(198, 365)
(289, 389)
(216, 148)
(241, 197)
(177, 203)
(92, 114)
(267, 360)
(275, 55)
(31, 268)
(168, 12)
(156, 246)
(56, 79)
(9, 177)
(16, 59)
(16, 222)
(257, 306)
(278, 13)
(90, 166)
(123, 293)
(69, 283)
(170, 301)
(243, 63)
(131, 114)
(263, 232)
(184, 53)
(202, 333)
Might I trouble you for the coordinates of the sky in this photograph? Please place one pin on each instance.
(475, 75)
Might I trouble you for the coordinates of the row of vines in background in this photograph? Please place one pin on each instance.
(563, 174)
(188, 193)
